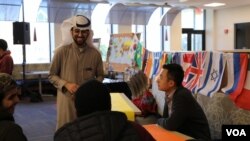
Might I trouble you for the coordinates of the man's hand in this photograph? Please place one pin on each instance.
(71, 87)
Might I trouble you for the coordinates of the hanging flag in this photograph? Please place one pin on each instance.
(156, 65)
(138, 55)
(144, 56)
(169, 58)
(34, 39)
(186, 61)
(237, 69)
(210, 80)
(149, 65)
(243, 100)
(162, 61)
(194, 72)
(176, 58)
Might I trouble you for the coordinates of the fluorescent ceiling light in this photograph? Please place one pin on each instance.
(214, 4)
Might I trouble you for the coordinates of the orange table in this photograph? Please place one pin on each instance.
(161, 134)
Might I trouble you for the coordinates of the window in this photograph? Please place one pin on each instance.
(153, 36)
(37, 51)
(166, 38)
(153, 32)
(242, 35)
(141, 30)
(193, 34)
(166, 34)
(6, 34)
(101, 30)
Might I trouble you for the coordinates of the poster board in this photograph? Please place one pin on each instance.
(122, 48)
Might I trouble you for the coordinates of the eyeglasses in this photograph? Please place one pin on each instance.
(82, 32)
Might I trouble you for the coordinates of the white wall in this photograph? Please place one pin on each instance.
(210, 31)
(175, 33)
(224, 19)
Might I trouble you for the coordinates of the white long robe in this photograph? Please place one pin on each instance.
(69, 64)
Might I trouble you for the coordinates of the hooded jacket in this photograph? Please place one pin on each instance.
(6, 63)
(9, 130)
(102, 126)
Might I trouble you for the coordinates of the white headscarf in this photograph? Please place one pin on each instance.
(80, 22)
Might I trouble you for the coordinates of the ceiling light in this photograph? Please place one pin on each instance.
(214, 4)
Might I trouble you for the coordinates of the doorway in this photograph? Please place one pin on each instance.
(193, 40)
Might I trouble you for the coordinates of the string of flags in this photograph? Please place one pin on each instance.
(204, 71)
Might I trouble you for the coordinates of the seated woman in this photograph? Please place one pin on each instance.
(9, 130)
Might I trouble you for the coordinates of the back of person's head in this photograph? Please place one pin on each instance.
(7, 83)
(175, 73)
(3, 44)
(91, 97)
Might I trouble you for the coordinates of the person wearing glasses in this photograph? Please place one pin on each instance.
(75, 61)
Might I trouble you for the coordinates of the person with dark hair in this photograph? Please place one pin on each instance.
(9, 130)
(6, 61)
(74, 62)
(182, 112)
(96, 121)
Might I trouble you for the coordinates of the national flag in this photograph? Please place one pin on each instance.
(169, 58)
(237, 69)
(243, 100)
(193, 73)
(138, 55)
(149, 65)
(186, 60)
(210, 80)
(176, 57)
(156, 62)
(162, 61)
(144, 56)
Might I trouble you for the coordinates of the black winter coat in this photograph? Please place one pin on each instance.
(9, 130)
(102, 126)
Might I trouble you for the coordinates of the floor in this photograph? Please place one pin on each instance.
(38, 120)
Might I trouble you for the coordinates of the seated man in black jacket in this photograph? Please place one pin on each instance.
(96, 121)
(182, 112)
(9, 130)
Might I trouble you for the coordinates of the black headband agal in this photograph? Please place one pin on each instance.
(83, 25)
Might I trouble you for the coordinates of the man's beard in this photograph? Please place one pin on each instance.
(80, 43)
